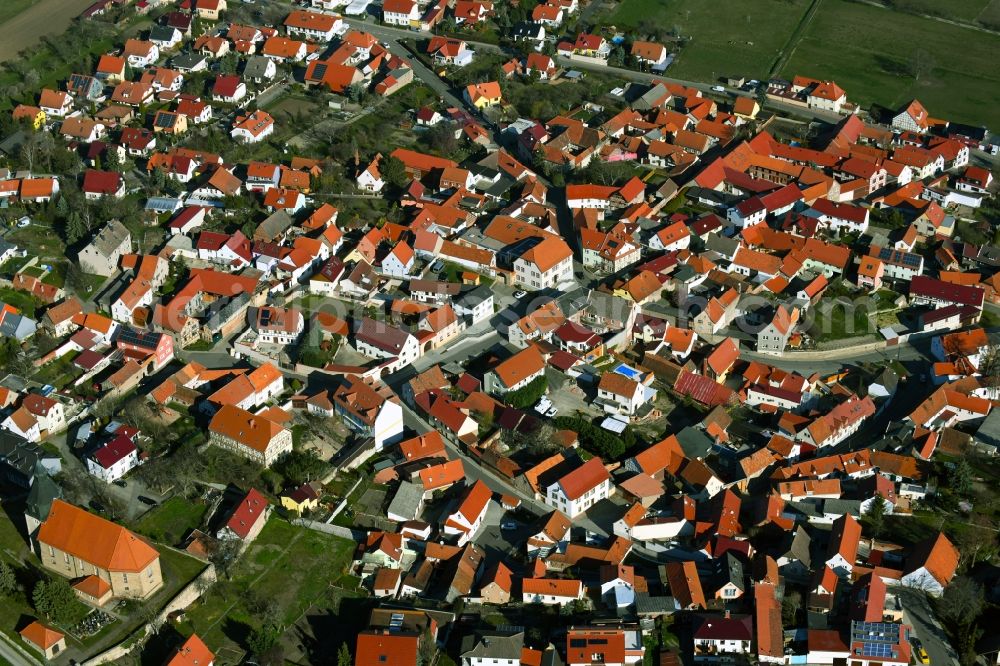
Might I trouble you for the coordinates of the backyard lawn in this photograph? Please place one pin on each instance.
(283, 573)
(173, 520)
(836, 323)
(60, 372)
(26, 303)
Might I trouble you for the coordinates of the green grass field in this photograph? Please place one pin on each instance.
(171, 521)
(962, 10)
(726, 38)
(287, 569)
(866, 50)
(11, 8)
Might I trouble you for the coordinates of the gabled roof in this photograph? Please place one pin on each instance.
(95, 540)
(938, 556)
(845, 538)
(247, 513)
(584, 478)
(685, 585)
(523, 364)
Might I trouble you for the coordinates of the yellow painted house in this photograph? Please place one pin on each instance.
(483, 95)
(33, 113)
(302, 499)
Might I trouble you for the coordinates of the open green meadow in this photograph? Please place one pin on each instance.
(868, 51)
(285, 571)
(11, 8)
(726, 38)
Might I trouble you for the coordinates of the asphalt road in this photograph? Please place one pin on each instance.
(473, 470)
(918, 614)
(847, 356)
(11, 656)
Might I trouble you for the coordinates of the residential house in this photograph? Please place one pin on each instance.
(102, 255)
(404, 13)
(368, 411)
(574, 493)
(516, 372)
(773, 338)
(114, 459)
(551, 591)
(251, 436)
(544, 265)
(483, 95)
(246, 519)
(464, 522)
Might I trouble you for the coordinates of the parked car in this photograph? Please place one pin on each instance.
(148, 501)
(718, 89)
(121, 483)
(918, 651)
(520, 293)
(508, 525)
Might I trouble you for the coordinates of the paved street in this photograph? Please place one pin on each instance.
(12, 656)
(918, 614)
(473, 470)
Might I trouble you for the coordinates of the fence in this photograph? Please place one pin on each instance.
(335, 530)
(187, 596)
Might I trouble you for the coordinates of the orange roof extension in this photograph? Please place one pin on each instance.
(557, 587)
(193, 652)
(93, 586)
(95, 540)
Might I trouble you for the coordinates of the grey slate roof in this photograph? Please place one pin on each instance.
(800, 548)
(406, 501)
(22, 458)
(497, 646)
(256, 67)
(694, 442)
(110, 237)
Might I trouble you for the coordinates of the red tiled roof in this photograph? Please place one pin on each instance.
(250, 509)
(586, 477)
